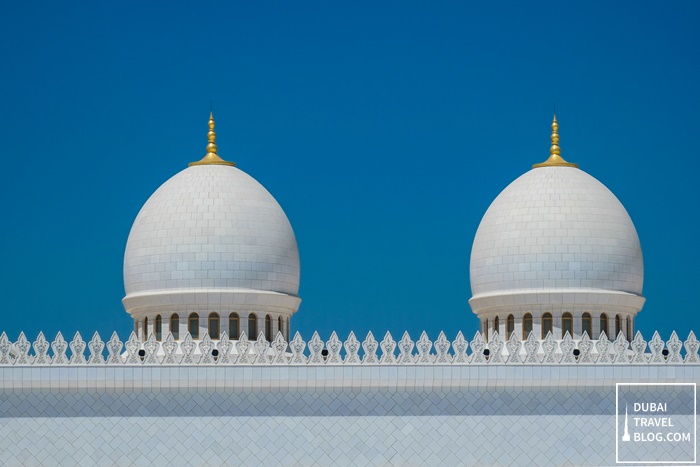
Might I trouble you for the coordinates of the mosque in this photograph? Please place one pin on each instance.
(212, 375)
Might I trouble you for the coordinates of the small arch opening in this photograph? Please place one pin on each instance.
(145, 328)
(604, 324)
(567, 324)
(175, 326)
(279, 324)
(233, 326)
(527, 325)
(496, 325)
(159, 328)
(510, 326)
(546, 324)
(193, 325)
(587, 324)
(214, 325)
(618, 326)
(252, 326)
(268, 328)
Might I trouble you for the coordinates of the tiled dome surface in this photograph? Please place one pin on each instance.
(211, 226)
(556, 228)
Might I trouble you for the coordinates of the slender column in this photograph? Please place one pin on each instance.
(275, 327)
(495, 328)
(183, 325)
(629, 330)
(261, 326)
(595, 327)
(203, 324)
(556, 325)
(223, 325)
(537, 325)
(577, 327)
(518, 326)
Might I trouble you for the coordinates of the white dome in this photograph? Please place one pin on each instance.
(211, 227)
(556, 229)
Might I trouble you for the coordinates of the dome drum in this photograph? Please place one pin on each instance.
(558, 323)
(201, 322)
(557, 303)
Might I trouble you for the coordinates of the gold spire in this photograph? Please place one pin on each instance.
(555, 159)
(211, 158)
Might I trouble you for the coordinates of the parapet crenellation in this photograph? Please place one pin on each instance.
(225, 351)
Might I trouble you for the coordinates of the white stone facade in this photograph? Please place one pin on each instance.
(395, 403)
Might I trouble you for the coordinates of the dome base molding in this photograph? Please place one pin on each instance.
(556, 301)
(207, 300)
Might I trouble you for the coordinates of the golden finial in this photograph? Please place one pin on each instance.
(211, 158)
(555, 159)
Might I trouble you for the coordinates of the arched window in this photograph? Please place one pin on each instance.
(496, 325)
(279, 324)
(233, 326)
(567, 325)
(252, 326)
(630, 331)
(145, 328)
(159, 328)
(604, 324)
(268, 328)
(510, 326)
(587, 324)
(193, 325)
(485, 329)
(546, 324)
(175, 326)
(214, 325)
(527, 325)
(618, 326)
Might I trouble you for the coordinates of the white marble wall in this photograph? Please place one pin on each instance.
(316, 415)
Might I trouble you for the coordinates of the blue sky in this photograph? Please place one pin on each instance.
(384, 129)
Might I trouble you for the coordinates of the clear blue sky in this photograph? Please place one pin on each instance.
(384, 129)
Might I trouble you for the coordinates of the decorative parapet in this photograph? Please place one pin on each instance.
(224, 351)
